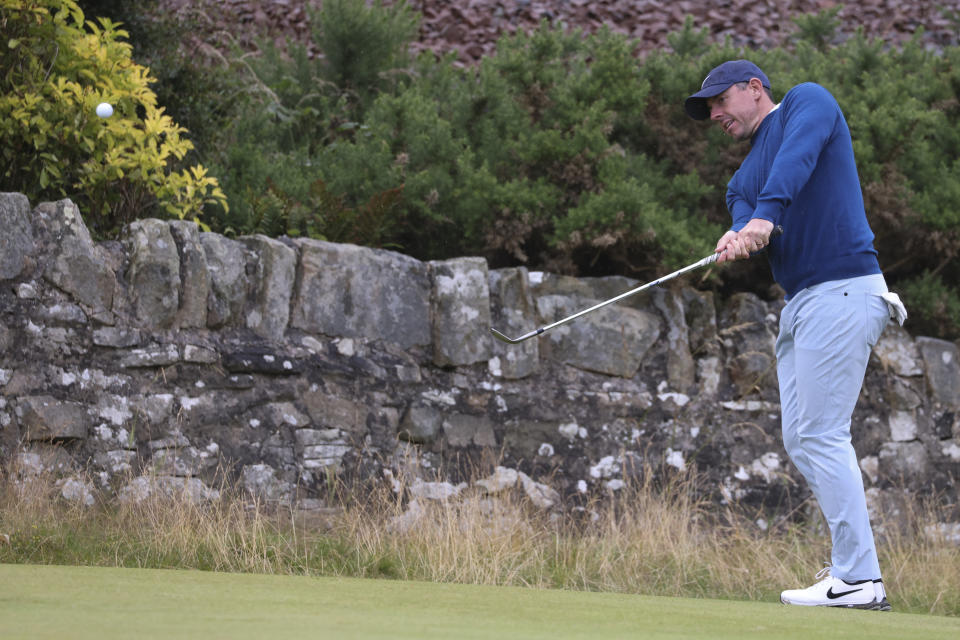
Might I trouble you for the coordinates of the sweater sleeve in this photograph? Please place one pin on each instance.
(809, 118)
(740, 210)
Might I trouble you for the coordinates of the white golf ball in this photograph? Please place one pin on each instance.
(104, 110)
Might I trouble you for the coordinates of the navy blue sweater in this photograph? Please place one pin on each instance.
(801, 174)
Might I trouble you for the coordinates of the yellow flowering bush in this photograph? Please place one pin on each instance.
(55, 69)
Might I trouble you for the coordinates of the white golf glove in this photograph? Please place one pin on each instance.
(897, 310)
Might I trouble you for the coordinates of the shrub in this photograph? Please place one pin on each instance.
(295, 110)
(56, 70)
(561, 151)
(934, 306)
(522, 159)
(363, 45)
(818, 29)
(904, 115)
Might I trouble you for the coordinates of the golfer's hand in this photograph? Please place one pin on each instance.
(725, 247)
(738, 245)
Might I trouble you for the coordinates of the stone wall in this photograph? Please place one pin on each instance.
(160, 359)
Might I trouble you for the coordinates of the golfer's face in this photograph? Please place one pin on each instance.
(735, 111)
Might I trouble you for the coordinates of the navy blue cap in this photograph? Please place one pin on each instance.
(719, 80)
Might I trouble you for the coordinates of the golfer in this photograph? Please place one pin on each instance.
(800, 174)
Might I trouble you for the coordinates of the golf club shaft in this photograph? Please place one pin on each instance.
(701, 263)
(696, 265)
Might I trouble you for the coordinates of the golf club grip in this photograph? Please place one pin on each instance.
(774, 233)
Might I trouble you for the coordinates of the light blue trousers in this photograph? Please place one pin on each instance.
(826, 334)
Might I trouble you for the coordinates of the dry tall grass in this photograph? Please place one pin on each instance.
(649, 539)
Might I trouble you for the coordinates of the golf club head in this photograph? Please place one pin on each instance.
(501, 337)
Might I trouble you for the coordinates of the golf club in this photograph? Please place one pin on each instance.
(696, 265)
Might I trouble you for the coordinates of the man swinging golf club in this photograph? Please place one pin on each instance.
(800, 174)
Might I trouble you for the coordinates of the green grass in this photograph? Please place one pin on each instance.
(100, 603)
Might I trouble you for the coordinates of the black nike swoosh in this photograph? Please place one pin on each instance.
(834, 596)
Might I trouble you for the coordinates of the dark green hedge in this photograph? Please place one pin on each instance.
(571, 152)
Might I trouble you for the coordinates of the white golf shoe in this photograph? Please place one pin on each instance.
(834, 592)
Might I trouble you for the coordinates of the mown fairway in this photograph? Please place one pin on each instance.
(101, 603)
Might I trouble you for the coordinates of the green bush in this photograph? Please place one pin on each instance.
(55, 70)
(563, 151)
(903, 109)
(934, 305)
(297, 109)
(363, 44)
(514, 160)
(818, 29)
